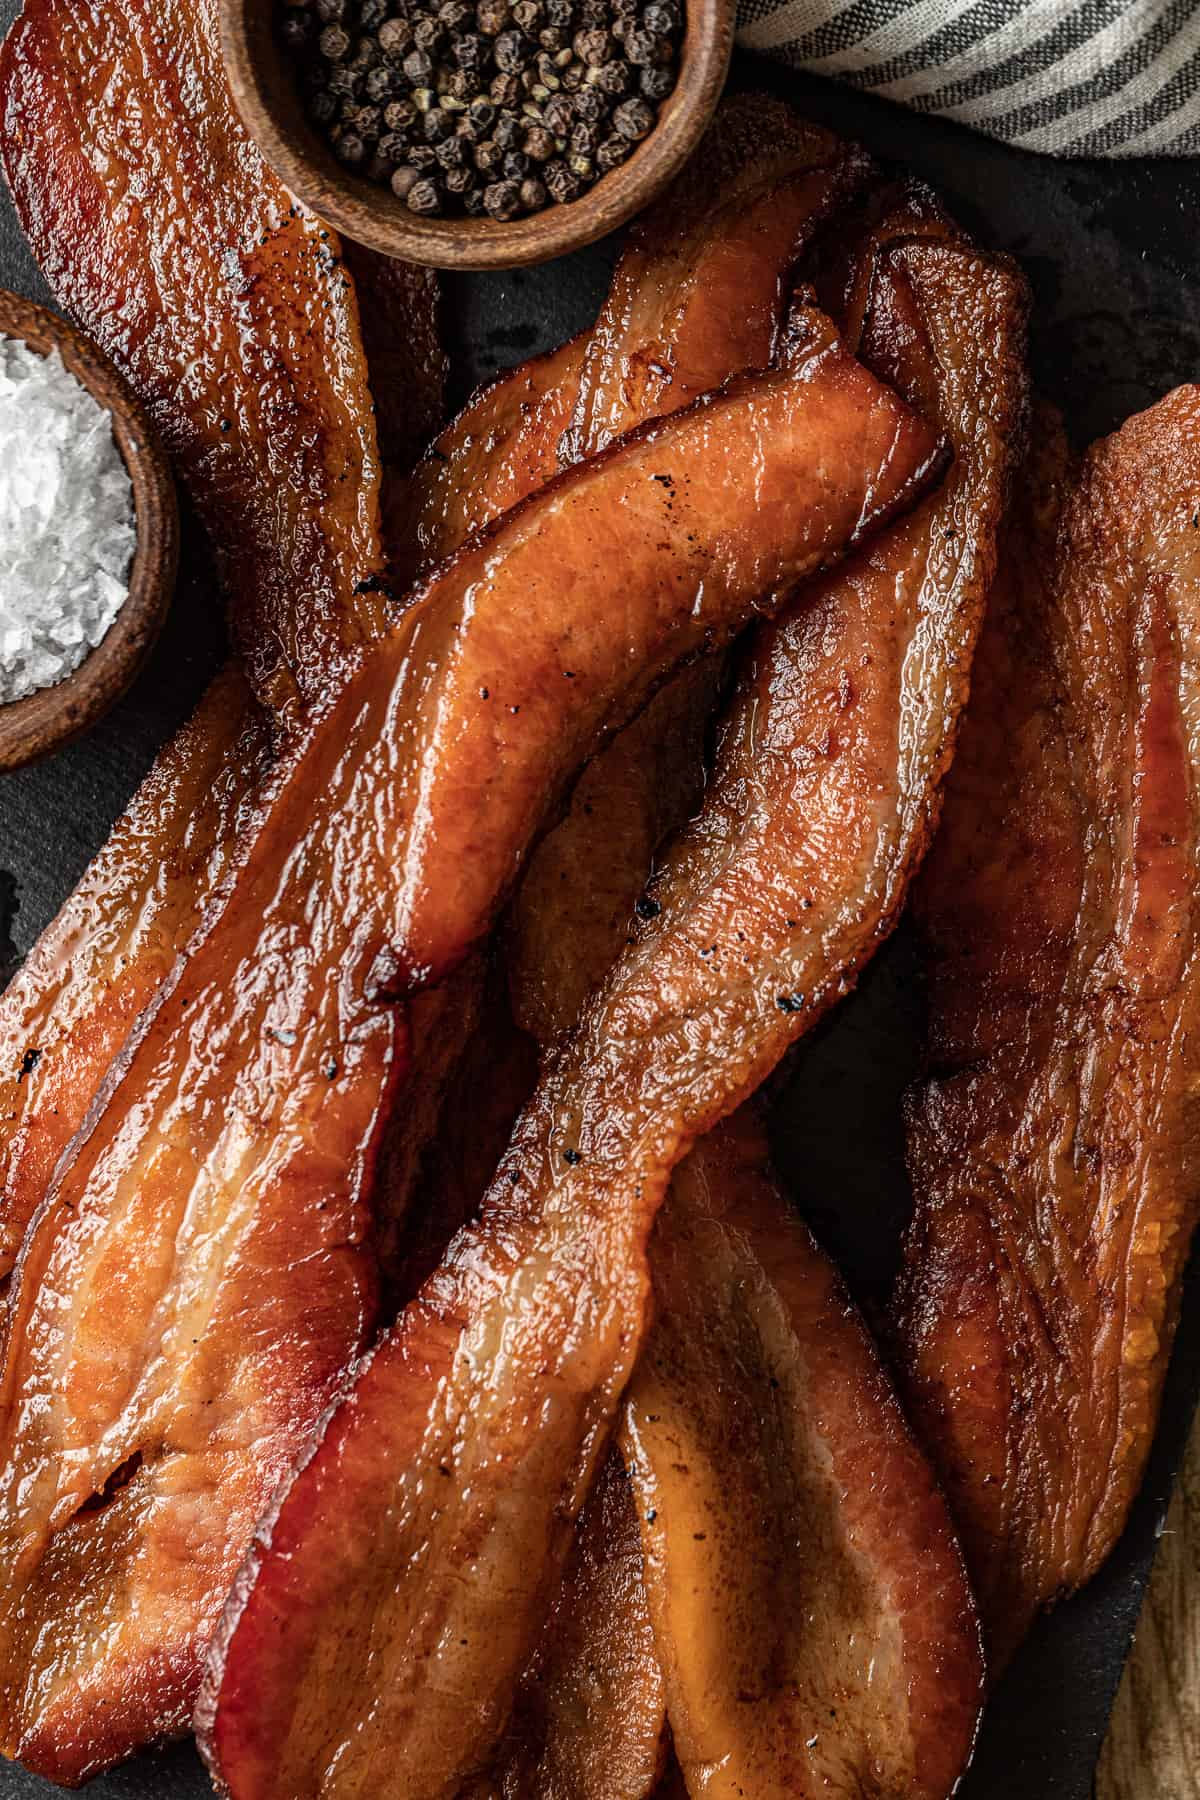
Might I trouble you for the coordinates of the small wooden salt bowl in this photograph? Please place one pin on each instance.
(50, 718)
(265, 87)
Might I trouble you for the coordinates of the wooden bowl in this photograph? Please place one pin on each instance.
(49, 718)
(265, 87)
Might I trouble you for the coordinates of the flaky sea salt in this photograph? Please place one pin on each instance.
(67, 529)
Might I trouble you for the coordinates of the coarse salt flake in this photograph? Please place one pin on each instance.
(67, 531)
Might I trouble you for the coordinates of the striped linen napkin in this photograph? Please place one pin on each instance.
(1070, 77)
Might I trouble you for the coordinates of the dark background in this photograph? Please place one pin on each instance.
(1110, 250)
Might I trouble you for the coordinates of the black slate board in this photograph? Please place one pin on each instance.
(1109, 248)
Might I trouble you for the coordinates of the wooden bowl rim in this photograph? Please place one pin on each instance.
(265, 94)
(46, 720)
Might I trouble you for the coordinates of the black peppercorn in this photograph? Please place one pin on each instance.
(633, 119)
(503, 199)
(459, 181)
(472, 202)
(593, 47)
(418, 68)
(512, 52)
(558, 114)
(642, 47)
(330, 11)
(662, 18)
(429, 34)
(392, 148)
(552, 38)
(367, 121)
(364, 56)
(656, 84)
(612, 153)
(456, 16)
(505, 90)
(425, 197)
(547, 74)
(322, 107)
(381, 82)
(559, 13)
(452, 153)
(612, 80)
(438, 124)
(528, 15)
(472, 51)
(492, 16)
(487, 156)
(590, 105)
(403, 181)
(334, 43)
(506, 131)
(395, 38)
(372, 13)
(349, 148)
(561, 185)
(532, 195)
(515, 166)
(343, 83)
(583, 140)
(401, 115)
(572, 77)
(423, 157)
(539, 143)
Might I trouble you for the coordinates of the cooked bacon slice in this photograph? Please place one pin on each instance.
(1054, 1150)
(290, 549)
(196, 1279)
(68, 1010)
(810, 1606)
(700, 288)
(470, 1437)
(224, 303)
(796, 1545)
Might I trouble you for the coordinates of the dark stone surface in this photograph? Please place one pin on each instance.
(1110, 250)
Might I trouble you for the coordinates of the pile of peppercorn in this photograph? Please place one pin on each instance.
(496, 108)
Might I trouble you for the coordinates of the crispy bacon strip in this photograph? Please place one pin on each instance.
(796, 1547)
(471, 1436)
(68, 1010)
(588, 1716)
(810, 1605)
(703, 279)
(239, 331)
(196, 1280)
(1055, 1149)
(65, 1016)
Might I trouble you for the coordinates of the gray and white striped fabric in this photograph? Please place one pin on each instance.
(1069, 77)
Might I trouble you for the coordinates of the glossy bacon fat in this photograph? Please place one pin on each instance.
(471, 1436)
(1055, 1151)
(240, 330)
(220, 1191)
